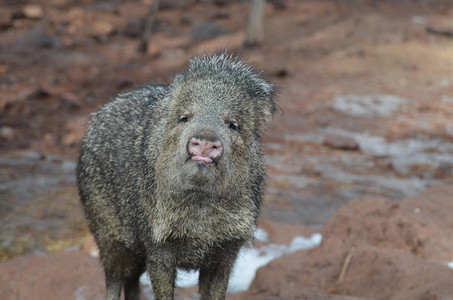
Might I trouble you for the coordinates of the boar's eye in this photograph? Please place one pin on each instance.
(233, 125)
(183, 119)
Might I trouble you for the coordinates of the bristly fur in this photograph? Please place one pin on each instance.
(219, 63)
(148, 204)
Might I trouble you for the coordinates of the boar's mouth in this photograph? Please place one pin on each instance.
(202, 161)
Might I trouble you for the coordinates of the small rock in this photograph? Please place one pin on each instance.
(33, 11)
(7, 133)
(221, 2)
(171, 4)
(278, 4)
(134, 28)
(355, 51)
(418, 20)
(172, 54)
(102, 6)
(102, 28)
(341, 142)
(6, 20)
(281, 73)
(221, 15)
(206, 31)
(32, 156)
(185, 21)
(36, 38)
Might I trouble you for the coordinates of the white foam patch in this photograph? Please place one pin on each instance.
(248, 262)
(403, 153)
(450, 264)
(251, 259)
(94, 253)
(261, 235)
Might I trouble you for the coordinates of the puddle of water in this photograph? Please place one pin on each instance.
(282, 164)
(404, 154)
(32, 172)
(307, 137)
(349, 169)
(368, 105)
(298, 181)
(402, 187)
(38, 202)
(446, 99)
(311, 186)
(313, 206)
(429, 161)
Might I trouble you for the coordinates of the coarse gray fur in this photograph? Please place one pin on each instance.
(149, 206)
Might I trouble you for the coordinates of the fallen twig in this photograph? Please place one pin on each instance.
(346, 263)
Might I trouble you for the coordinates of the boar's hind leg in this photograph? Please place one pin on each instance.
(213, 280)
(131, 287)
(122, 267)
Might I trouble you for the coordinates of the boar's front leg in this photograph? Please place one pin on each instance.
(213, 280)
(162, 277)
(114, 286)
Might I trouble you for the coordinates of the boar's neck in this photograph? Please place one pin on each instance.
(196, 215)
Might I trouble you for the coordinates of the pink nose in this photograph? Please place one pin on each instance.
(205, 149)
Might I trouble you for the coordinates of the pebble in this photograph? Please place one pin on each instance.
(205, 31)
(102, 28)
(341, 142)
(33, 11)
(7, 133)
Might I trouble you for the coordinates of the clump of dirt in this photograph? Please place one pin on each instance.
(58, 275)
(372, 249)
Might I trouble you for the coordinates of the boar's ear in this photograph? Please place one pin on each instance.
(266, 105)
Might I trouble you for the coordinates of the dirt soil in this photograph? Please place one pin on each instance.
(361, 149)
(372, 249)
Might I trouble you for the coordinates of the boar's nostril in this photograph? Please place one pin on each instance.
(204, 150)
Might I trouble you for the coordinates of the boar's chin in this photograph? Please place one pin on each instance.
(200, 173)
(194, 176)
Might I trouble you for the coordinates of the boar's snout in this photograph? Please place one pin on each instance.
(205, 147)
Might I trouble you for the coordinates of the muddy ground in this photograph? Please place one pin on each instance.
(365, 90)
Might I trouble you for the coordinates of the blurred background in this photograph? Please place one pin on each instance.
(361, 149)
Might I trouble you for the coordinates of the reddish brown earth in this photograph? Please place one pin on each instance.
(386, 249)
(361, 150)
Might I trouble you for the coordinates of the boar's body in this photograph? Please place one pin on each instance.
(171, 176)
